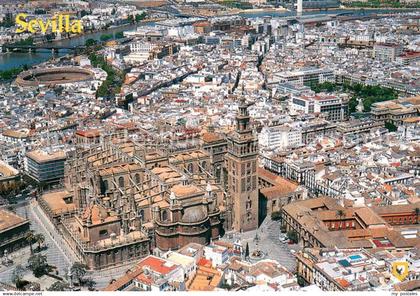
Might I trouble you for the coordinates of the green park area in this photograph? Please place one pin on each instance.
(367, 93)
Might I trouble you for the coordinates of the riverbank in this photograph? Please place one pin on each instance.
(12, 60)
(104, 31)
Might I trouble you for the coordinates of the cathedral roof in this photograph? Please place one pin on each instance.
(98, 214)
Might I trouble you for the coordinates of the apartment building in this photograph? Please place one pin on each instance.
(387, 52)
(306, 76)
(280, 137)
(45, 166)
(336, 107)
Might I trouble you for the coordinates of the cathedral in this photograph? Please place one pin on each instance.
(123, 198)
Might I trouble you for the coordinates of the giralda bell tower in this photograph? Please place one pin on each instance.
(242, 172)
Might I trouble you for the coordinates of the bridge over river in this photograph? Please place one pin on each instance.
(33, 48)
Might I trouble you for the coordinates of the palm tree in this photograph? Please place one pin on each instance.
(30, 239)
(40, 239)
(340, 214)
(417, 211)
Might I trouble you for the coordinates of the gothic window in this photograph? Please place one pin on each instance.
(121, 181)
(142, 215)
(248, 205)
(165, 215)
(104, 187)
(243, 185)
(204, 166)
(137, 178)
(254, 182)
(190, 168)
(248, 168)
(218, 173)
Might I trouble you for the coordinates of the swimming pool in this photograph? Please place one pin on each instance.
(355, 257)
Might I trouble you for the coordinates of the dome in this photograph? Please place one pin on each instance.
(193, 215)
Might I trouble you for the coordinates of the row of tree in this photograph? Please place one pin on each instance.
(112, 84)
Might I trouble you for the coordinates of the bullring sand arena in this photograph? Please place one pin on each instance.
(53, 76)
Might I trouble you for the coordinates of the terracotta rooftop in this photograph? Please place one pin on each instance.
(158, 265)
(56, 201)
(211, 137)
(91, 133)
(118, 169)
(43, 156)
(98, 214)
(10, 220)
(205, 279)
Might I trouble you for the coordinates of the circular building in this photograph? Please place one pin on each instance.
(53, 76)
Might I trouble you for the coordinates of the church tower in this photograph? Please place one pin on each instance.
(242, 172)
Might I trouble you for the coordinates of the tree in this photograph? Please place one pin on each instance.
(340, 214)
(38, 264)
(90, 283)
(301, 281)
(293, 236)
(119, 35)
(17, 275)
(283, 228)
(30, 239)
(390, 126)
(140, 17)
(59, 286)
(105, 37)
(247, 251)
(40, 239)
(78, 270)
(90, 42)
(275, 216)
(130, 19)
(417, 212)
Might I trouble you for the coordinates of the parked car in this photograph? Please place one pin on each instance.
(283, 238)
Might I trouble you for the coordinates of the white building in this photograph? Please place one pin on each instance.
(280, 137)
(217, 254)
(139, 51)
(335, 106)
(305, 76)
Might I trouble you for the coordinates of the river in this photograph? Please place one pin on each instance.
(18, 59)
